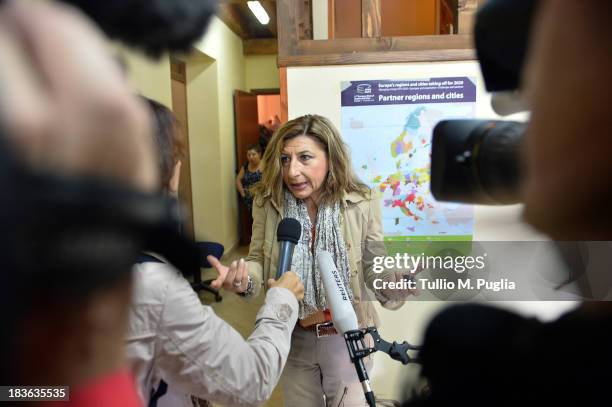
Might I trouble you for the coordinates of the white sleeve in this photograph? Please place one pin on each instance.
(202, 355)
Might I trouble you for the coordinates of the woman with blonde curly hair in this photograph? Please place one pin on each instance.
(308, 176)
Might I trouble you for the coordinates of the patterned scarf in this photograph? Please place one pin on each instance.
(328, 236)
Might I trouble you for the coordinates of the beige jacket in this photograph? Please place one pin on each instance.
(172, 336)
(362, 228)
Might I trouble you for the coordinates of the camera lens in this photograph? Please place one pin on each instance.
(477, 161)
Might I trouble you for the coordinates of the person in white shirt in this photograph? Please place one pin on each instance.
(174, 338)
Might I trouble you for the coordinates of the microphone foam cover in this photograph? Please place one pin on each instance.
(290, 230)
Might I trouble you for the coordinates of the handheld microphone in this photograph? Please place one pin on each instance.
(288, 234)
(344, 317)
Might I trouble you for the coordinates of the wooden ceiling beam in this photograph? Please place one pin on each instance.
(237, 16)
(287, 15)
(378, 57)
(385, 44)
(228, 14)
(270, 7)
(262, 46)
(345, 51)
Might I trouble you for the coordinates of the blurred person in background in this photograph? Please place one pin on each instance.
(264, 137)
(249, 175)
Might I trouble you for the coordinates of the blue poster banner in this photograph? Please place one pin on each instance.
(391, 92)
(388, 125)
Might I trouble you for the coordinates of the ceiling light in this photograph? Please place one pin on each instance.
(259, 12)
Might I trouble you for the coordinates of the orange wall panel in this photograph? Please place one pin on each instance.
(398, 18)
(347, 18)
(408, 17)
(268, 106)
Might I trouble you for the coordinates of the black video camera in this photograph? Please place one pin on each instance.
(154, 26)
(479, 161)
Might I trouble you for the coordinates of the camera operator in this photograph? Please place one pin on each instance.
(65, 115)
(478, 355)
(74, 123)
(568, 193)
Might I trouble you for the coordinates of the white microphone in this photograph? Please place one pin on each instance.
(343, 315)
(336, 294)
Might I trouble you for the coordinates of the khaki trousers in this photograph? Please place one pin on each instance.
(319, 373)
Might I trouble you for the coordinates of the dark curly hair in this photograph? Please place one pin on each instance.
(168, 139)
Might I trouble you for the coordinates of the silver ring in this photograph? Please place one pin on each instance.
(237, 283)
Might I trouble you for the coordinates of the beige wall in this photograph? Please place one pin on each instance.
(261, 72)
(151, 78)
(212, 78)
(215, 69)
(204, 146)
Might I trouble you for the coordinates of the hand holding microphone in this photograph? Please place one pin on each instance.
(235, 277)
(400, 294)
(291, 282)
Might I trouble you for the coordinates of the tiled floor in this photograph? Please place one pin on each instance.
(237, 312)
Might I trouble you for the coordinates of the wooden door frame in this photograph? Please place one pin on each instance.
(241, 145)
(178, 73)
(266, 91)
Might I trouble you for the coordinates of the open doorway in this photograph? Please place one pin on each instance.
(257, 116)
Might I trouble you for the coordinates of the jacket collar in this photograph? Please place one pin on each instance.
(353, 197)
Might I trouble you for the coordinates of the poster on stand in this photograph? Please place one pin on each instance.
(388, 126)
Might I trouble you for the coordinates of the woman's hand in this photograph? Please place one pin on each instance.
(233, 278)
